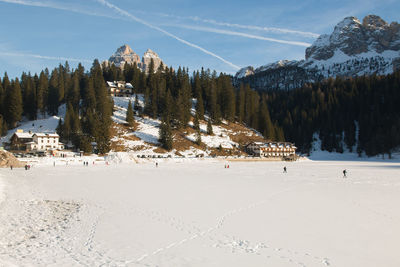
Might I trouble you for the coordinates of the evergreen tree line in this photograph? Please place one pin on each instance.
(361, 114)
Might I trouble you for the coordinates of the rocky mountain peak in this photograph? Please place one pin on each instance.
(375, 22)
(244, 72)
(124, 55)
(351, 37)
(150, 53)
(124, 50)
(147, 57)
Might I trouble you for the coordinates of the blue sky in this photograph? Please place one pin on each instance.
(220, 35)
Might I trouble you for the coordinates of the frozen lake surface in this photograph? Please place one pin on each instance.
(201, 214)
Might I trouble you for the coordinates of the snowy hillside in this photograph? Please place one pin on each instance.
(144, 139)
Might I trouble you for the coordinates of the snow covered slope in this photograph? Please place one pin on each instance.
(144, 138)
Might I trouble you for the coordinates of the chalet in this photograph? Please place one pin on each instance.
(29, 141)
(120, 88)
(271, 149)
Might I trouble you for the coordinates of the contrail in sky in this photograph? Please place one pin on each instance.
(129, 15)
(56, 6)
(44, 57)
(246, 35)
(241, 26)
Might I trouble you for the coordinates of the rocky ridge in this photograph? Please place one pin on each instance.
(353, 49)
(125, 55)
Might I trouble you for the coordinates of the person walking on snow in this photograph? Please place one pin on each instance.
(284, 170)
(344, 173)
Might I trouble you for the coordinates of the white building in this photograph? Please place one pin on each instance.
(120, 88)
(271, 149)
(35, 141)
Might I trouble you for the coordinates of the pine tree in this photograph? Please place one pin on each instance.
(42, 92)
(60, 129)
(266, 126)
(53, 97)
(165, 133)
(196, 123)
(85, 144)
(73, 95)
(61, 83)
(67, 131)
(137, 107)
(103, 109)
(129, 115)
(1, 124)
(198, 137)
(4, 127)
(28, 96)
(200, 107)
(209, 127)
(14, 104)
(89, 96)
(147, 101)
(2, 96)
(240, 104)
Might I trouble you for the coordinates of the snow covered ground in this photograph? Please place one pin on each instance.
(198, 213)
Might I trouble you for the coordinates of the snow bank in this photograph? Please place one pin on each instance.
(120, 157)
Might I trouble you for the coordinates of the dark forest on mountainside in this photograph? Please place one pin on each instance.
(358, 114)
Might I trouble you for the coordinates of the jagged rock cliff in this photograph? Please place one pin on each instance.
(147, 57)
(353, 49)
(125, 55)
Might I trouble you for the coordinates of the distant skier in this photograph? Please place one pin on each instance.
(344, 173)
(284, 170)
(156, 164)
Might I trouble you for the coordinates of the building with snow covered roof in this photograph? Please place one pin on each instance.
(120, 88)
(28, 141)
(271, 149)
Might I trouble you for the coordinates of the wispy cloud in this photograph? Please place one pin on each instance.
(241, 34)
(242, 26)
(129, 15)
(14, 54)
(57, 6)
